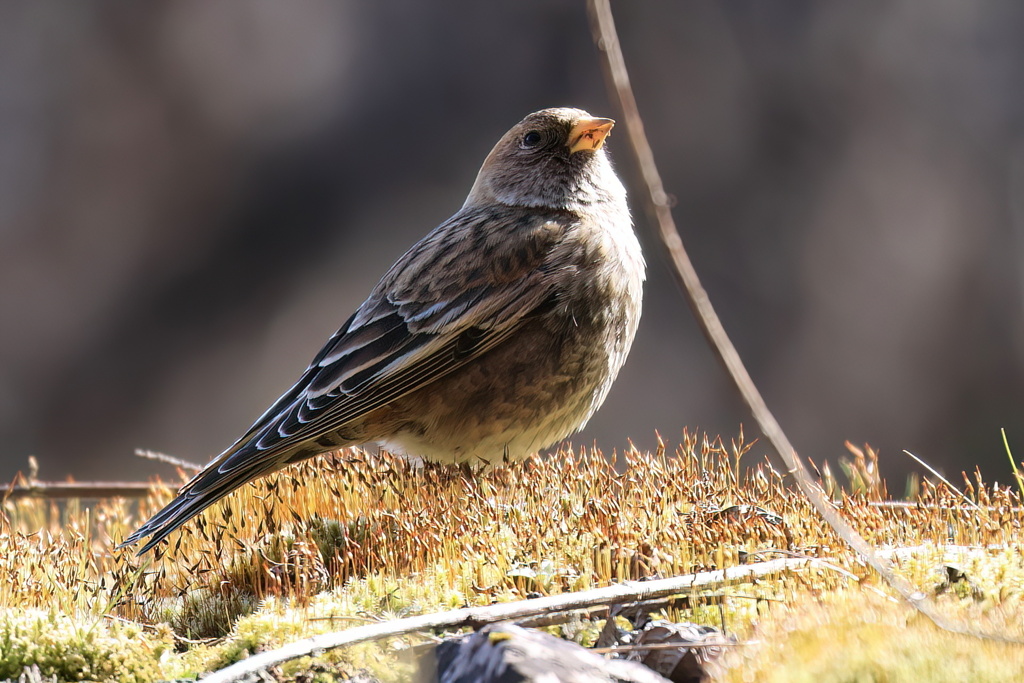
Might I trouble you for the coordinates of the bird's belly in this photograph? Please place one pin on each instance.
(518, 398)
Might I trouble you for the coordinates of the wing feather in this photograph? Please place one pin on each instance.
(417, 326)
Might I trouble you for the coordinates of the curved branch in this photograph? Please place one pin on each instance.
(657, 200)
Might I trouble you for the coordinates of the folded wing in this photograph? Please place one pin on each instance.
(461, 291)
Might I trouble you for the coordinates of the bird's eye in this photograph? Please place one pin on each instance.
(532, 138)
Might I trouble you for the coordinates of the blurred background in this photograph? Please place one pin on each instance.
(195, 194)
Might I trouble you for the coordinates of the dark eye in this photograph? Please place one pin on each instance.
(532, 138)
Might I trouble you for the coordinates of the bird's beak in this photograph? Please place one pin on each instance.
(589, 134)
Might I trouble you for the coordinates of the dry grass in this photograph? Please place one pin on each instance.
(860, 636)
(361, 536)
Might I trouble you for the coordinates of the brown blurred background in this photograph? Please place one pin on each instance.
(195, 194)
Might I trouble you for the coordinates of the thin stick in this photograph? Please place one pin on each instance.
(480, 616)
(77, 489)
(659, 205)
(941, 478)
(666, 646)
(911, 505)
(169, 459)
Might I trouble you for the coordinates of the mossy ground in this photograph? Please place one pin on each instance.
(354, 538)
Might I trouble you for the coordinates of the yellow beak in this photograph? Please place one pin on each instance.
(589, 134)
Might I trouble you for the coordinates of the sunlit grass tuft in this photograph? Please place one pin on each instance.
(356, 536)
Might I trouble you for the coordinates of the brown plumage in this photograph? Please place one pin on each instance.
(496, 335)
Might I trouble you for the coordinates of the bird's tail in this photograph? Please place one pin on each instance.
(205, 489)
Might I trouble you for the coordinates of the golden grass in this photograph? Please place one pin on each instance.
(366, 537)
(855, 636)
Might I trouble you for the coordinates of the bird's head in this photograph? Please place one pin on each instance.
(554, 158)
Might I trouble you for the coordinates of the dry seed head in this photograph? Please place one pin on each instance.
(606, 520)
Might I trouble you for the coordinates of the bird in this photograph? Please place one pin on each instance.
(495, 336)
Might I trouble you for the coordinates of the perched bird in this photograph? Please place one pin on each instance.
(496, 335)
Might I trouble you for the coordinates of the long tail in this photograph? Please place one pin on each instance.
(209, 486)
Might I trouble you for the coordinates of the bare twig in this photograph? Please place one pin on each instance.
(659, 205)
(666, 646)
(138, 489)
(76, 489)
(169, 459)
(480, 616)
(950, 553)
(941, 478)
(913, 505)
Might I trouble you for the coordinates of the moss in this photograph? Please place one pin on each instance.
(207, 613)
(861, 637)
(282, 621)
(77, 650)
(341, 541)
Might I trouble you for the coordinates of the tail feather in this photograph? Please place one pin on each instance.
(175, 514)
(205, 489)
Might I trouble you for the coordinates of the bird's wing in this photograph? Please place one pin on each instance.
(459, 292)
